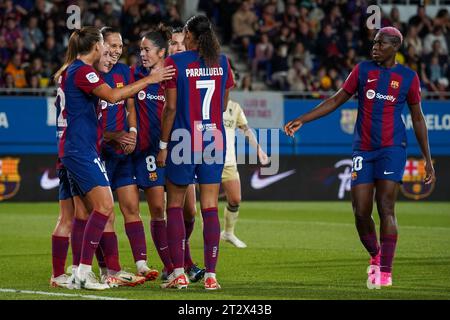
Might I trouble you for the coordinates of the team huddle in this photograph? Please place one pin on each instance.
(120, 129)
(113, 127)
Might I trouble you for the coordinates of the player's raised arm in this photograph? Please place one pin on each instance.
(114, 95)
(325, 107)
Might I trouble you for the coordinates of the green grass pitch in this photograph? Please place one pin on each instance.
(296, 250)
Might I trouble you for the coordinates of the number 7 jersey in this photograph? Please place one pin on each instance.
(200, 94)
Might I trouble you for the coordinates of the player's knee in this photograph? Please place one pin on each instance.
(385, 206)
(130, 210)
(105, 207)
(157, 212)
(63, 227)
(189, 212)
(233, 207)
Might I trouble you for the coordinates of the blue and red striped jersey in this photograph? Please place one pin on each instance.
(114, 115)
(149, 104)
(382, 95)
(200, 94)
(79, 108)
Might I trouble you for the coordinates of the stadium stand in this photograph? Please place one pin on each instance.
(291, 45)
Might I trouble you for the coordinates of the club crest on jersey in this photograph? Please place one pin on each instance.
(413, 186)
(119, 85)
(141, 95)
(394, 84)
(9, 177)
(348, 120)
(153, 176)
(92, 77)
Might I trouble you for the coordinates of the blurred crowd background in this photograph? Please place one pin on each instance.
(287, 45)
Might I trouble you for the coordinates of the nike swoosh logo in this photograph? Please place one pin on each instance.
(94, 243)
(372, 80)
(386, 172)
(143, 254)
(163, 248)
(127, 278)
(259, 183)
(48, 183)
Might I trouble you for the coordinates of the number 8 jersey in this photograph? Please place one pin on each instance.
(200, 93)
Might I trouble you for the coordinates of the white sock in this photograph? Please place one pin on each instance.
(210, 274)
(178, 271)
(83, 269)
(141, 265)
(230, 220)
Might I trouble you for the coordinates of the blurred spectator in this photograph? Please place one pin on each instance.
(51, 54)
(290, 17)
(350, 61)
(297, 75)
(299, 52)
(5, 53)
(412, 39)
(280, 67)
(11, 31)
(246, 84)
(421, 21)
(244, 25)
(174, 18)
(108, 15)
(269, 23)
(9, 84)
(348, 41)
(21, 50)
(395, 20)
(437, 35)
(263, 55)
(32, 35)
(34, 83)
(412, 59)
(14, 68)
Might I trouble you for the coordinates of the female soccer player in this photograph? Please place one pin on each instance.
(149, 105)
(120, 140)
(80, 86)
(379, 146)
(61, 233)
(176, 45)
(233, 118)
(195, 100)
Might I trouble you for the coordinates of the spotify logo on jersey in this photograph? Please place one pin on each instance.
(141, 95)
(370, 94)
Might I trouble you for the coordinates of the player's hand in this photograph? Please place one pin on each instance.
(127, 138)
(292, 126)
(161, 74)
(161, 158)
(262, 156)
(430, 175)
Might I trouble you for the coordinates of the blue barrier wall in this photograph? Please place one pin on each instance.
(333, 134)
(26, 128)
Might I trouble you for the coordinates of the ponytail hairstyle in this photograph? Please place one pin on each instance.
(160, 37)
(80, 42)
(208, 44)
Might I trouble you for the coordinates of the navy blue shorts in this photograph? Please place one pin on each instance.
(86, 172)
(148, 175)
(184, 174)
(65, 191)
(383, 164)
(120, 171)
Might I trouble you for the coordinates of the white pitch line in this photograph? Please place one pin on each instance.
(44, 293)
